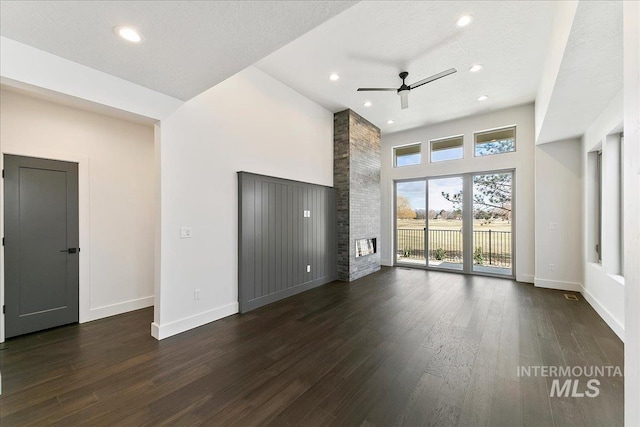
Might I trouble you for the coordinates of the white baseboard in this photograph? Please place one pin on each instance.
(557, 284)
(118, 308)
(386, 262)
(606, 315)
(166, 330)
(525, 278)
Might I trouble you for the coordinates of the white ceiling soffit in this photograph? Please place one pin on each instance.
(187, 46)
(591, 71)
(371, 42)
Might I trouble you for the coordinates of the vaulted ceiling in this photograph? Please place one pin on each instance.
(190, 46)
(371, 42)
(187, 47)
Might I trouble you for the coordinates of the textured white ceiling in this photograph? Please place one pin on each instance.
(371, 42)
(188, 46)
(590, 74)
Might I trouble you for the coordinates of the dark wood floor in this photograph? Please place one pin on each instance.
(400, 347)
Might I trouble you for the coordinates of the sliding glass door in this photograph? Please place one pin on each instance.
(459, 223)
(492, 223)
(445, 229)
(410, 222)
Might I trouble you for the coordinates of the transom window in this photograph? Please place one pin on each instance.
(447, 148)
(407, 155)
(495, 141)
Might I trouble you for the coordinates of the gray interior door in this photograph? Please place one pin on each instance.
(41, 244)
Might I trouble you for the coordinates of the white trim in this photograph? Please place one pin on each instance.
(605, 314)
(161, 332)
(557, 284)
(525, 278)
(118, 308)
(84, 282)
(27, 65)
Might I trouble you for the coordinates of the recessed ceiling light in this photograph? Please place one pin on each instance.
(483, 98)
(475, 68)
(334, 77)
(390, 122)
(128, 33)
(367, 104)
(463, 21)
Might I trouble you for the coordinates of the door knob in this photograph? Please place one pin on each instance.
(71, 250)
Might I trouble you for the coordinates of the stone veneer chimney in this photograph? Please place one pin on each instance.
(356, 176)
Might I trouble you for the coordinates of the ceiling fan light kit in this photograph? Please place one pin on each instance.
(404, 89)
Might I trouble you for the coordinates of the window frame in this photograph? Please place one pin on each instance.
(453, 137)
(498, 129)
(394, 157)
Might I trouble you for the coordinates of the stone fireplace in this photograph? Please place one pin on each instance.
(356, 177)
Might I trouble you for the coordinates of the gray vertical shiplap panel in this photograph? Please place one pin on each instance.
(257, 240)
(264, 289)
(284, 215)
(291, 212)
(321, 241)
(272, 240)
(248, 238)
(315, 241)
(277, 285)
(276, 242)
(301, 237)
(307, 234)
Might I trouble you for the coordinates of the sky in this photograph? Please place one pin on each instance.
(415, 191)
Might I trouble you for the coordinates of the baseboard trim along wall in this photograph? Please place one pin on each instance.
(118, 308)
(557, 284)
(161, 332)
(525, 278)
(614, 324)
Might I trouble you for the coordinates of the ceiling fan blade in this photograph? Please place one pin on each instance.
(369, 89)
(432, 78)
(404, 99)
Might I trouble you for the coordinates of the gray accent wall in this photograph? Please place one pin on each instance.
(356, 177)
(276, 241)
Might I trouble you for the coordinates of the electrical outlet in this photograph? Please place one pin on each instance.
(185, 232)
(308, 269)
(196, 294)
(552, 267)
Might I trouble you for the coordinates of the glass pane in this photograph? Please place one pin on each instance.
(408, 155)
(410, 222)
(447, 149)
(492, 225)
(495, 142)
(445, 223)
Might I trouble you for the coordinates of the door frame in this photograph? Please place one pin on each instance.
(84, 292)
(467, 182)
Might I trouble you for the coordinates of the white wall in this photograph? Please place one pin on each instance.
(558, 215)
(564, 13)
(522, 160)
(602, 287)
(116, 194)
(632, 212)
(250, 122)
(24, 66)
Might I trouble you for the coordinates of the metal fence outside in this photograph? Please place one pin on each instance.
(492, 248)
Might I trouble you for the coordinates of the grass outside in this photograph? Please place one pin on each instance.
(446, 235)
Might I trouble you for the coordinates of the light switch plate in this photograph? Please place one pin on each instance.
(185, 232)
(308, 269)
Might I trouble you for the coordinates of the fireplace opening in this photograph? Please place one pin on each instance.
(366, 247)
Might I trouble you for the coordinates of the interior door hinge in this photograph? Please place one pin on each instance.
(3, 173)
(3, 241)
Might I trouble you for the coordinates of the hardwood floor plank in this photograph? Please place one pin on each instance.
(399, 347)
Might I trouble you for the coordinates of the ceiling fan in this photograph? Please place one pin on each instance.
(403, 90)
